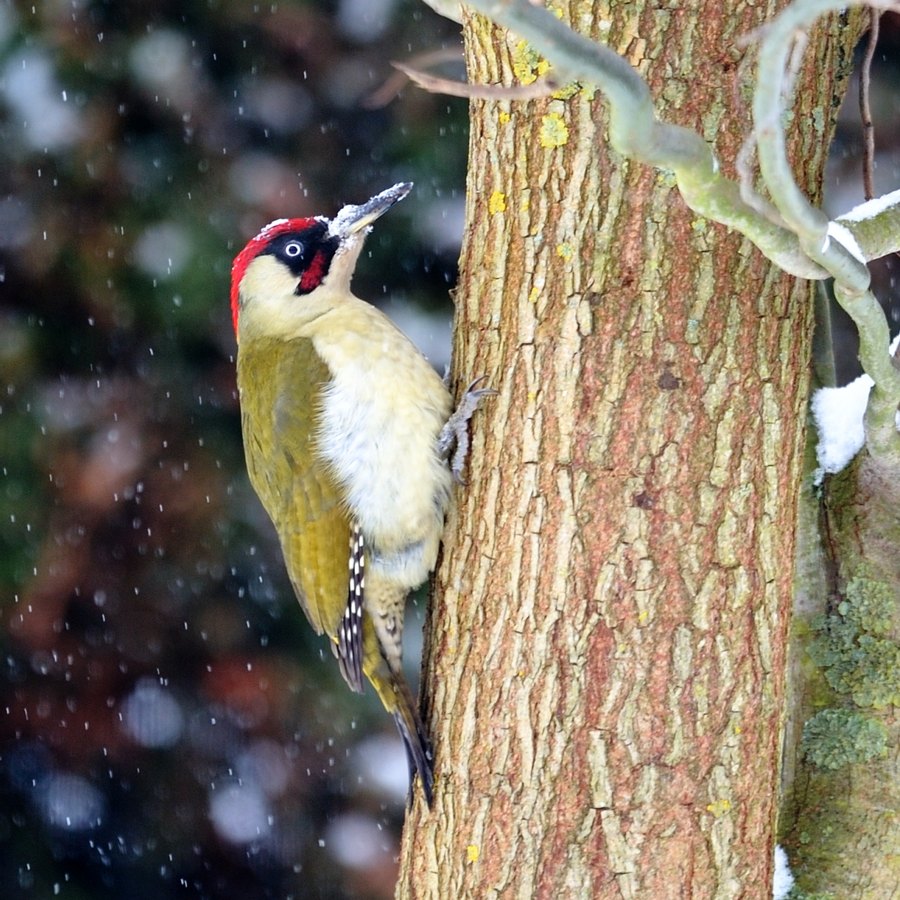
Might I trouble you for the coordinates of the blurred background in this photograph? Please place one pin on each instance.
(169, 725)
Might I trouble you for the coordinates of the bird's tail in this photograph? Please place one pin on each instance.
(394, 693)
(418, 747)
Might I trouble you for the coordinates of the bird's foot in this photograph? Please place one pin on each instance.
(453, 441)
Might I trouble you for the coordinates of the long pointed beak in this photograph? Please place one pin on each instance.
(352, 219)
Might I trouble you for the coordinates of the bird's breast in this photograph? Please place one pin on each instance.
(378, 429)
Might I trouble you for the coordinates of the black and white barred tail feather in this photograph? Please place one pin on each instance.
(350, 631)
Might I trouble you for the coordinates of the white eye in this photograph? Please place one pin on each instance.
(293, 248)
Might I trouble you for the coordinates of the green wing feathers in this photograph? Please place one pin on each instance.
(279, 421)
(280, 410)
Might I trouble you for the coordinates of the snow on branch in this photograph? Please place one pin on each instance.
(875, 225)
(839, 414)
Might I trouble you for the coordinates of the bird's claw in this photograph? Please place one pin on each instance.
(453, 441)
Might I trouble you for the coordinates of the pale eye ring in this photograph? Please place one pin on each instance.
(293, 249)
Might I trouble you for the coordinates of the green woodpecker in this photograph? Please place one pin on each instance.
(347, 434)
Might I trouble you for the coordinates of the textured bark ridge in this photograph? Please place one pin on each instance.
(607, 643)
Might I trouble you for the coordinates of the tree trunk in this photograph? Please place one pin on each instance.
(606, 648)
(842, 802)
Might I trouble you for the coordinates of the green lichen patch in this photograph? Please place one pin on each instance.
(867, 605)
(853, 649)
(554, 131)
(834, 738)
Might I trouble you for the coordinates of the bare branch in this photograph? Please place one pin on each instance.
(397, 81)
(865, 111)
(544, 87)
(875, 225)
(744, 166)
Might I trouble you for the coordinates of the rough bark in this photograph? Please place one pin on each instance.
(607, 645)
